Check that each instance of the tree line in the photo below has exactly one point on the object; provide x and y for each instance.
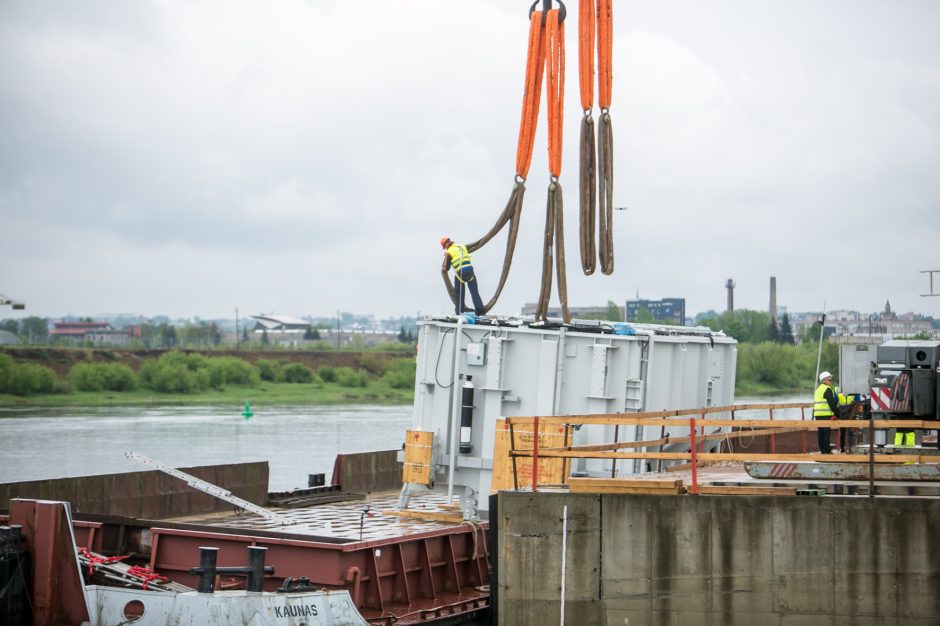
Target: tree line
(770, 357)
(178, 372)
(165, 336)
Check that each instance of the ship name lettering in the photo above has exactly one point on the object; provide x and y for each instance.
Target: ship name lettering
(293, 610)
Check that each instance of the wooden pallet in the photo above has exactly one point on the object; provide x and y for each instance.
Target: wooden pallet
(428, 516)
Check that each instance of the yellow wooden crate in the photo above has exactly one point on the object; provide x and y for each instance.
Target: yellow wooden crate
(417, 465)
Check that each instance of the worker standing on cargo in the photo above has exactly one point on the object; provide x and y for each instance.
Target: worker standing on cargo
(825, 404)
(457, 257)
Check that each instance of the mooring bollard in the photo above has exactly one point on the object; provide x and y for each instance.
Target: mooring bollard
(255, 570)
(206, 569)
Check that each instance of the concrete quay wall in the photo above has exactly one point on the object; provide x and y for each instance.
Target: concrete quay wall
(717, 560)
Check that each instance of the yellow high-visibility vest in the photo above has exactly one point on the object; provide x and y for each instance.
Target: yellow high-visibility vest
(459, 257)
(820, 406)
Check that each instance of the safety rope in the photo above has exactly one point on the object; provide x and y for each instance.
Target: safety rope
(545, 57)
(596, 173)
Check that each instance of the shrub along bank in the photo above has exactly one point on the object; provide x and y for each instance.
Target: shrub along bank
(182, 374)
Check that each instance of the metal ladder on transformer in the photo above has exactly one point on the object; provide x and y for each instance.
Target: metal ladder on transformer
(209, 488)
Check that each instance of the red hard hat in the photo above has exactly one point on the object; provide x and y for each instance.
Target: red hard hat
(445, 241)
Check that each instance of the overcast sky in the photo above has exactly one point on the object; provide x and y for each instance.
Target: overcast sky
(188, 158)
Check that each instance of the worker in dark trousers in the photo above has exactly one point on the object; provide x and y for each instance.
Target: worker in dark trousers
(457, 257)
(825, 404)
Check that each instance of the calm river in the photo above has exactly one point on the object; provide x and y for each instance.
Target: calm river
(37, 443)
(295, 440)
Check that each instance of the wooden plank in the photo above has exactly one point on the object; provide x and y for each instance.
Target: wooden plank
(623, 489)
(729, 490)
(645, 415)
(618, 489)
(551, 471)
(733, 456)
(416, 467)
(628, 419)
(428, 516)
(650, 443)
(627, 482)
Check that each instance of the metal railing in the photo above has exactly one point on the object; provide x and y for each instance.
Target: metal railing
(697, 418)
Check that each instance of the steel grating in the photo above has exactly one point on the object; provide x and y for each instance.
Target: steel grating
(346, 521)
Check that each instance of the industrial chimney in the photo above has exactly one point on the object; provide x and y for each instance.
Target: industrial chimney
(773, 299)
(729, 284)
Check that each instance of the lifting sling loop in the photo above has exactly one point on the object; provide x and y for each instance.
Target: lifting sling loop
(599, 172)
(546, 56)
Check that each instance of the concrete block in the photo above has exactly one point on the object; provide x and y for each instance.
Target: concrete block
(681, 594)
(626, 524)
(917, 539)
(741, 595)
(802, 537)
(692, 618)
(530, 557)
(623, 616)
(626, 589)
(804, 593)
(919, 596)
(807, 619)
(681, 539)
(726, 560)
(742, 536)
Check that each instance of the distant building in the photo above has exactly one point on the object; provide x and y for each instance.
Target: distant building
(280, 329)
(887, 324)
(670, 310)
(8, 339)
(97, 333)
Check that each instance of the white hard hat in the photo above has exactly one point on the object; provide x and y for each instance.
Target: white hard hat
(824, 376)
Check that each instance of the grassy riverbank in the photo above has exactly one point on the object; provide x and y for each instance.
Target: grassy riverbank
(753, 388)
(375, 392)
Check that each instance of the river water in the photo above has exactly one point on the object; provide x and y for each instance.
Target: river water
(39, 443)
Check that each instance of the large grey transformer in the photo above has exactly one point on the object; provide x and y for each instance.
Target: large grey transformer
(516, 367)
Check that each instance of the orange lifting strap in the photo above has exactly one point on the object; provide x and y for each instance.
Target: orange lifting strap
(546, 55)
(545, 60)
(596, 15)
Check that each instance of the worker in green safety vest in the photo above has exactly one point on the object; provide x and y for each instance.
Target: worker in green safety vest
(457, 257)
(825, 405)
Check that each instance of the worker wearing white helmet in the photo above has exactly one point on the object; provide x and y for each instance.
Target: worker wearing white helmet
(825, 403)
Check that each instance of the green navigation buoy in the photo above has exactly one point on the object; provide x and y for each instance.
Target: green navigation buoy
(247, 412)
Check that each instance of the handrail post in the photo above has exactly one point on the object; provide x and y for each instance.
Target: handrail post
(803, 431)
(512, 454)
(703, 434)
(773, 439)
(535, 456)
(871, 456)
(694, 456)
